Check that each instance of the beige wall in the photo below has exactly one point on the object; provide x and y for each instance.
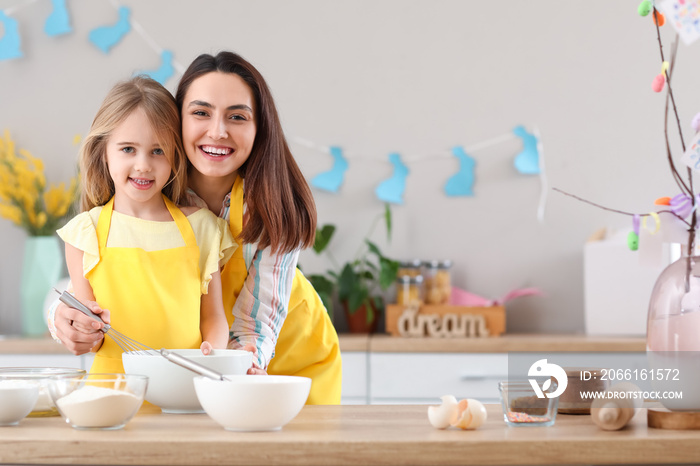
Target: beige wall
(415, 77)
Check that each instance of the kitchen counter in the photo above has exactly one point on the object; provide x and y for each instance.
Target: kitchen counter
(335, 435)
(388, 344)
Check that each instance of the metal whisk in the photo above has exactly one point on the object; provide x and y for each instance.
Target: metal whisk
(129, 345)
(125, 343)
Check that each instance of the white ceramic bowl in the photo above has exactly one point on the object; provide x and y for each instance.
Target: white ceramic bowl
(170, 386)
(44, 405)
(98, 401)
(253, 402)
(17, 398)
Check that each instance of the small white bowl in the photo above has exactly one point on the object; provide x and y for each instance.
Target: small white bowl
(98, 401)
(170, 386)
(245, 403)
(17, 398)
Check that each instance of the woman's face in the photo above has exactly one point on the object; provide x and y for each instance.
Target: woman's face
(218, 124)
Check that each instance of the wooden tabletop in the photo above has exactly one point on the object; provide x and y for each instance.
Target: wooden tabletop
(336, 435)
(388, 344)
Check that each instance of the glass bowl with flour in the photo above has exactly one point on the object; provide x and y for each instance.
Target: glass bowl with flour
(98, 401)
(43, 406)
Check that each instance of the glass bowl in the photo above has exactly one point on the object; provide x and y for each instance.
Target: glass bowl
(44, 406)
(98, 401)
(17, 398)
(522, 407)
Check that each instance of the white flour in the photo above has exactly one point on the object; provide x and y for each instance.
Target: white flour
(98, 407)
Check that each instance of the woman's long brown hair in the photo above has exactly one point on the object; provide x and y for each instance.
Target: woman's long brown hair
(281, 208)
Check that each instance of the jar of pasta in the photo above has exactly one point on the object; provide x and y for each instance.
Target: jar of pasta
(410, 268)
(409, 290)
(437, 281)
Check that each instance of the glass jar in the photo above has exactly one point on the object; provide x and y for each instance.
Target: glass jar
(410, 268)
(673, 327)
(409, 290)
(438, 282)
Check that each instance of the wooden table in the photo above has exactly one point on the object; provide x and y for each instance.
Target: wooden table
(335, 435)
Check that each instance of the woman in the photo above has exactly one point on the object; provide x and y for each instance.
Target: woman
(241, 168)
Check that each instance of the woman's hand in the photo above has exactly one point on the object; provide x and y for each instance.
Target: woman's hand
(78, 332)
(206, 348)
(255, 369)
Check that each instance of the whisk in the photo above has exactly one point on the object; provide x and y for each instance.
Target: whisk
(129, 345)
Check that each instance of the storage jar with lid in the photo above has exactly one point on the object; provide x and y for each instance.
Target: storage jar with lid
(409, 290)
(437, 281)
(411, 268)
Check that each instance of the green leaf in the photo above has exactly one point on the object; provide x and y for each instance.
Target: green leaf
(373, 248)
(323, 237)
(356, 299)
(347, 283)
(321, 284)
(369, 314)
(387, 218)
(389, 269)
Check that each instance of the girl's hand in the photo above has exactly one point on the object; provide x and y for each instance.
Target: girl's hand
(78, 332)
(255, 369)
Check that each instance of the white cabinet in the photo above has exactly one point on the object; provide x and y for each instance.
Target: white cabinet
(421, 378)
(355, 378)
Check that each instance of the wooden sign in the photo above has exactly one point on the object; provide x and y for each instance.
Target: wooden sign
(445, 321)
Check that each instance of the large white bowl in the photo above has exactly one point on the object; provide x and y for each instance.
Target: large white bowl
(170, 386)
(253, 402)
(17, 398)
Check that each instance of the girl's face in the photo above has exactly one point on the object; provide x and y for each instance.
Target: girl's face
(137, 164)
(218, 124)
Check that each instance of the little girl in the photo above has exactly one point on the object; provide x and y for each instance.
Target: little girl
(153, 265)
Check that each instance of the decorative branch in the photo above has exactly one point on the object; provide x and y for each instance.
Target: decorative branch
(631, 214)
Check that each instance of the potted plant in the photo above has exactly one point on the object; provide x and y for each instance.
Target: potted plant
(357, 283)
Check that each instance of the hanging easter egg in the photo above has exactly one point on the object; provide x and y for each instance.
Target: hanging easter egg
(696, 123)
(633, 241)
(644, 8)
(664, 200)
(657, 85)
(659, 18)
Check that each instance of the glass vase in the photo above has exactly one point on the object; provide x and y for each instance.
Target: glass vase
(41, 269)
(673, 335)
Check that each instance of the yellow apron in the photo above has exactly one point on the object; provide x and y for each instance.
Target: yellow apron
(308, 344)
(153, 297)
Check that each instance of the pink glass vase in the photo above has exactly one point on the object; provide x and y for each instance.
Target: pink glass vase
(673, 335)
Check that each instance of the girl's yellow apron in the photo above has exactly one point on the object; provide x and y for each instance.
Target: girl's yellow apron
(153, 297)
(308, 344)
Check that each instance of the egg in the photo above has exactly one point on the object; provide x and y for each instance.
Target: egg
(471, 414)
(465, 414)
(442, 416)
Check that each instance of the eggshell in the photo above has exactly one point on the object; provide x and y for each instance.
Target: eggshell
(472, 414)
(442, 416)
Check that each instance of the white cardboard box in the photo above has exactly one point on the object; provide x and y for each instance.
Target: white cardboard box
(617, 287)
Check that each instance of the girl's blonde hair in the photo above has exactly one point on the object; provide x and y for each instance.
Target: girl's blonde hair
(162, 113)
